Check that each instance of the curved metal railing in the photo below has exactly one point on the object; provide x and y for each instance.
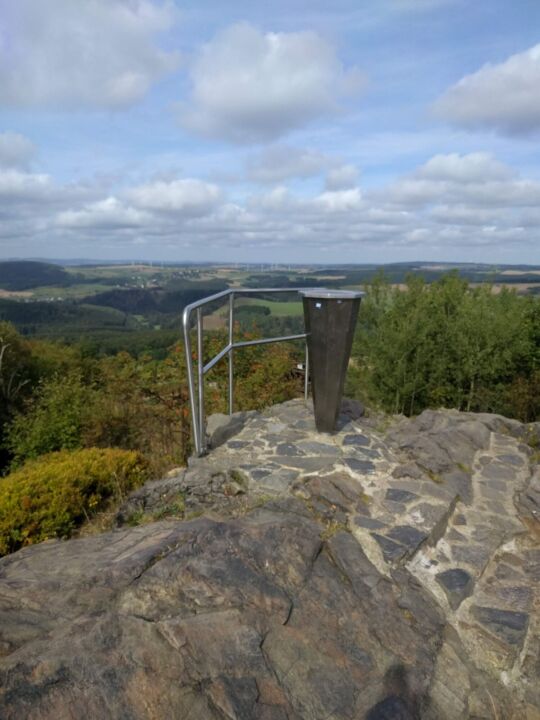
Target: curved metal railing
(196, 395)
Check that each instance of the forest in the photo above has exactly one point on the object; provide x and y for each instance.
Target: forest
(73, 417)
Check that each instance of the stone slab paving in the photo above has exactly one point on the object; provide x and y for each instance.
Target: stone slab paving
(480, 569)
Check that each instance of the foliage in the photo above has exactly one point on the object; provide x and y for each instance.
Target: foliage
(53, 420)
(18, 373)
(26, 274)
(262, 374)
(142, 403)
(16, 365)
(52, 496)
(445, 344)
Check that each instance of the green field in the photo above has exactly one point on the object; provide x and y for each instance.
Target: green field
(278, 308)
(71, 292)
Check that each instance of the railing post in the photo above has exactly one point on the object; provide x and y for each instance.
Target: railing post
(231, 352)
(186, 322)
(306, 376)
(200, 386)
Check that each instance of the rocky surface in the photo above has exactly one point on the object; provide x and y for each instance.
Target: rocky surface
(390, 570)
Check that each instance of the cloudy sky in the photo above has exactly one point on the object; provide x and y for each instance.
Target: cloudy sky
(291, 131)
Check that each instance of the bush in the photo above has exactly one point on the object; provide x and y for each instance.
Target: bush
(446, 344)
(51, 496)
(53, 420)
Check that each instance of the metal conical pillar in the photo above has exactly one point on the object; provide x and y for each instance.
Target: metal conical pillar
(330, 318)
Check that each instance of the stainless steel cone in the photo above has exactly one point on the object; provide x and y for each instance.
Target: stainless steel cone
(330, 318)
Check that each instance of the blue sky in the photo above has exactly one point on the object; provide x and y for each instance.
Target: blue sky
(374, 131)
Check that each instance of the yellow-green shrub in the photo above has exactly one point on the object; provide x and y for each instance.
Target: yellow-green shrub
(51, 496)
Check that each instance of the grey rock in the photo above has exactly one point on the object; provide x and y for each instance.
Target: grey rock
(288, 449)
(516, 597)
(508, 625)
(457, 584)
(258, 473)
(220, 428)
(532, 565)
(476, 432)
(491, 492)
(309, 464)
(391, 550)
(206, 619)
(359, 466)
(397, 495)
(352, 409)
(408, 470)
(477, 556)
(498, 471)
(364, 452)
(407, 535)
(368, 522)
(508, 573)
(395, 508)
(459, 483)
(515, 460)
(312, 447)
(356, 439)
(151, 496)
(277, 482)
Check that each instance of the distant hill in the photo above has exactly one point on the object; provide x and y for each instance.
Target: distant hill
(25, 275)
(172, 300)
(62, 319)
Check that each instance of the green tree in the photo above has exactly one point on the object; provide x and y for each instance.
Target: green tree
(446, 344)
(53, 420)
(17, 376)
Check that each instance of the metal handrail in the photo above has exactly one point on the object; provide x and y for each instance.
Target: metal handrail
(197, 398)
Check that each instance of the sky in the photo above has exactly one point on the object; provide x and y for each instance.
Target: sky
(299, 131)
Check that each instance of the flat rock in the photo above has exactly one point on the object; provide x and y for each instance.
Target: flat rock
(457, 584)
(397, 495)
(508, 625)
(359, 466)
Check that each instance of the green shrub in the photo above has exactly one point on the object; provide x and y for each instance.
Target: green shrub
(51, 496)
(53, 420)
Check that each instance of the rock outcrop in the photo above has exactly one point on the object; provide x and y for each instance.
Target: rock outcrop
(391, 570)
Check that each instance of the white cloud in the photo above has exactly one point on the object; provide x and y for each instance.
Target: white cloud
(17, 186)
(282, 162)
(277, 199)
(447, 202)
(461, 214)
(504, 97)
(87, 53)
(472, 168)
(254, 87)
(342, 177)
(476, 178)
(16, 151)
(340, 200)
(187, 197)
(105, 214)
